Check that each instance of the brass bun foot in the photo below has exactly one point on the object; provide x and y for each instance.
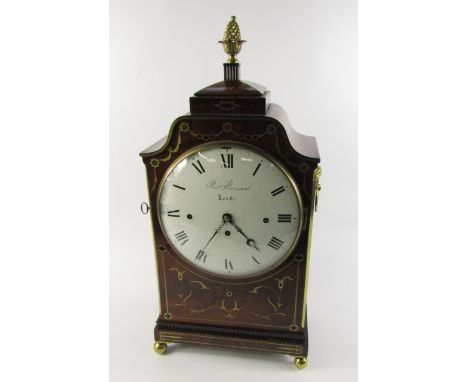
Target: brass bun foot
(160, 347)
(300, 362)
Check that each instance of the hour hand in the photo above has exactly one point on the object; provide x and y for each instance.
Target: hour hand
(238, 229)
(251, 243)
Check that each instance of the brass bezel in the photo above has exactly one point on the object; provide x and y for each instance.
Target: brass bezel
(268, 156)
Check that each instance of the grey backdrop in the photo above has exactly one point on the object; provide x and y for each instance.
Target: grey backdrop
(305, 52)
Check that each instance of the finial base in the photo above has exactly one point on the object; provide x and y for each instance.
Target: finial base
(231, 72)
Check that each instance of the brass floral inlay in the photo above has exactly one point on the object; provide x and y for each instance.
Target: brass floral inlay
(228, 304)
(234, 307)
(180, 274)
(227, 106)
(203, 285)
(273, 296)
(155, 162)
(183, 298)
(294, 327)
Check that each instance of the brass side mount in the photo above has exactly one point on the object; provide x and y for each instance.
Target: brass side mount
(316, 186)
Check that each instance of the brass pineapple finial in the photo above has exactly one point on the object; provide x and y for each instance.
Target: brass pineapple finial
(232, 40)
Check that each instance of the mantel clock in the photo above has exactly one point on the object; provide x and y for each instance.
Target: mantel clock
(232, 194)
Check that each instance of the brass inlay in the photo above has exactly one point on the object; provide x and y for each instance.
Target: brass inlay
(167, 315)
(277, 304)
(232, 41)
(295, 298)
(222, 306)
(293, 328)
(288, 348)
(180, 274)
(204, 277)
(154, 163)
(170, 337)
(184, 127)
(203, 285)
(183, 298)
(226, 105)
(273, 298)
(297, 349)
(270, 129)
(223, 322)
(281, 281)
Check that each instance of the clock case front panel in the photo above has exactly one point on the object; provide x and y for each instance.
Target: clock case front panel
(265, 312)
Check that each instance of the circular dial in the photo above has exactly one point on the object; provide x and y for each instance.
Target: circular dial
(230, 210)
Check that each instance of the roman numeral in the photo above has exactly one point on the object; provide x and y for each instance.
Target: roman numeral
(254, 259)
(284, 218)
(201, 255)
(228, 264)
(228, 160)
(275, 243)
(199, 168)
(256, 169)
(278, 190)
(173, 213)
(182, 188)
(181, 237)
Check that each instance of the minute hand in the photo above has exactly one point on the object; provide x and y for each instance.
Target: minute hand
(215, 233)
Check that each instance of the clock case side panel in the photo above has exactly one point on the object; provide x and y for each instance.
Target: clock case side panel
(307, 146)
(153, 214)
(269, 134)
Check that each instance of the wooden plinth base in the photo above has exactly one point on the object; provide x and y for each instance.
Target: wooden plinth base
(291, 343)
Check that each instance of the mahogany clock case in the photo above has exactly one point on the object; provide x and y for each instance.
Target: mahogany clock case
(265, 312)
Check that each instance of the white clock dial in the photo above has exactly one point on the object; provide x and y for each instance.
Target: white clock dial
(230, 210)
